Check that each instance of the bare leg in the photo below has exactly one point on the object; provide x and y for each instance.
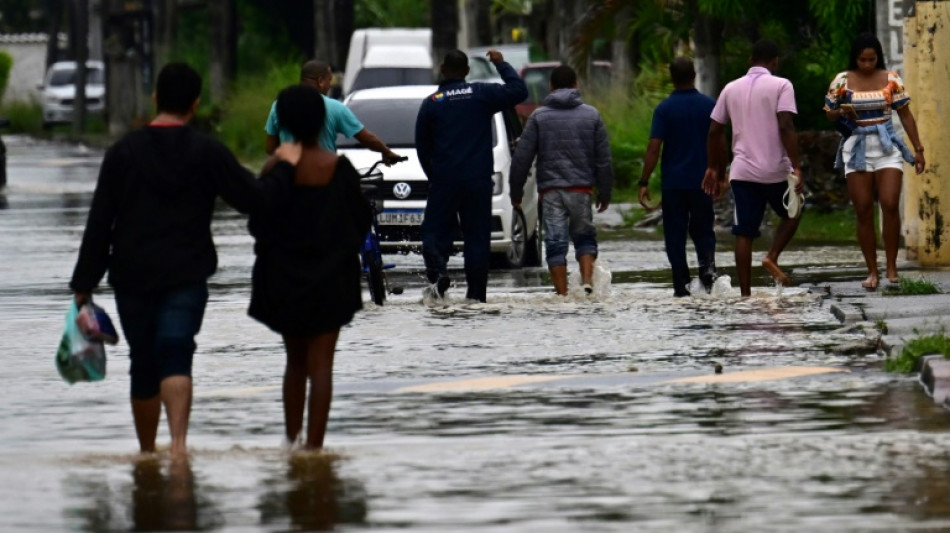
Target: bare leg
(295, 387)
(320, 368)
(783, 235)
(861, 190)
(888, 182)
(559, 278)
(744, 264)
(176, 395)
(586, 263)
(146, 414)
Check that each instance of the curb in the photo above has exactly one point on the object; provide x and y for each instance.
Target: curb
(935, 378)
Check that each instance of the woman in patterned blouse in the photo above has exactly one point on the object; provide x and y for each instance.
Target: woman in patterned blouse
(872, 153)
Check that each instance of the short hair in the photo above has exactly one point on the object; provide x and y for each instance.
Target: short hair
(682, 71)
(563, 77)
(314, 70)
(861, 43)
(177, 88)
(455, 62)
(764, 51)
(301, 111)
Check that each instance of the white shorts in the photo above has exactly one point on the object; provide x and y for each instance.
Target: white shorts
(874, 155)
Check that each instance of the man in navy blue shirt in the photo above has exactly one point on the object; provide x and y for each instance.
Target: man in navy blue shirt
(680, 125)
(454, 143)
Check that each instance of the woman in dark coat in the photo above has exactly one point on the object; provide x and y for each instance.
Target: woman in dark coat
(306, 278)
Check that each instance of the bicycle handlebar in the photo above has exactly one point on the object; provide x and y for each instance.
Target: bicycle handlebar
(383, 161)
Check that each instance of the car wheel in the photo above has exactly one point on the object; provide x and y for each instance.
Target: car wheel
(515, 255)
(533, 252)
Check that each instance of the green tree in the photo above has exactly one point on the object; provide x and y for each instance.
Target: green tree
(392, 13)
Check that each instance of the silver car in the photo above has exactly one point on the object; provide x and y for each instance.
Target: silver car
(390, 113)
(58, 91)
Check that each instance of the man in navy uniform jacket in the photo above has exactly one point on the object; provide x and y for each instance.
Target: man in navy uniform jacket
(454, 143)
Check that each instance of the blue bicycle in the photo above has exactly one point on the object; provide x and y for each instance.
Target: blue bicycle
(372, 255)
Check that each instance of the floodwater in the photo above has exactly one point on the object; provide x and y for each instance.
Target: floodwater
(610, 450)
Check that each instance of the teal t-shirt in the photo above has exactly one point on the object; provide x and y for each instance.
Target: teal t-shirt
(339, 120)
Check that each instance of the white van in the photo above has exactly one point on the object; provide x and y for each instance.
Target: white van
(390, 113)
(384, 57)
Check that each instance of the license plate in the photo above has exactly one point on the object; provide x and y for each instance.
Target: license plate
(400, 218)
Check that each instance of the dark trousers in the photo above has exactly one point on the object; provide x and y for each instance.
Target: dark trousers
(451, 206)
(689, 212)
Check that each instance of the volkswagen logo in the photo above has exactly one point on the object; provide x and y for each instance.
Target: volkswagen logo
(402, 190)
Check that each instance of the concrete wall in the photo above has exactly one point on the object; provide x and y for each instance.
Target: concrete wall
(29, 65)
(927, 196)
(889, 21)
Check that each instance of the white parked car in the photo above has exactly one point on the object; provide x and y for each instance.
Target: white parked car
(58, 91)
(390, 113)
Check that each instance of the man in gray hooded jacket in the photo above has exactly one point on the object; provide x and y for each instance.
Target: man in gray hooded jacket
(570, 141)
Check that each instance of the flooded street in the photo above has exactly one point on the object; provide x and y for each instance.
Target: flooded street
(607, 442)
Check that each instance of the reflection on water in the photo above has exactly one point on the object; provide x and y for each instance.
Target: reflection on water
(312, 496)
(164, 501)
(162, 495)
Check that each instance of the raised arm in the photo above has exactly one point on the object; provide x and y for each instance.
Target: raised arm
(512, 92)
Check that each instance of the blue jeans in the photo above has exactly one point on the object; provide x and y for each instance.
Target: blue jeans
(160, 329)
(567, 215)
(688, 212)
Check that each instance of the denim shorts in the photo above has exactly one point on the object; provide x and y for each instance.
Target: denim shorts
(875, 156)
(567, 215)
(160, 329)
(750, 201)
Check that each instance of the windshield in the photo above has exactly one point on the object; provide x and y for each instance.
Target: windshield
(538, 82)
(481, 69)
(94, 76)
(393, 121)
(369, 78)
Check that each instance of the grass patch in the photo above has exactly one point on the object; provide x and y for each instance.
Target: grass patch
(241, 123)
(628, 116)
(834, 226)
(912, 286)
(25, 117)
(906, 362)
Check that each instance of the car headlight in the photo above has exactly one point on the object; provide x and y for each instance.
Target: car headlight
(498, 180)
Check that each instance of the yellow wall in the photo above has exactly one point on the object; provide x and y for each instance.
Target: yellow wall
(927, 73)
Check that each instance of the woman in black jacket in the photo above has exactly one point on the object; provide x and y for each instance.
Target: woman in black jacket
(306, 279)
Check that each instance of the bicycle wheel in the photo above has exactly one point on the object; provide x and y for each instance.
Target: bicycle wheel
(377, 285)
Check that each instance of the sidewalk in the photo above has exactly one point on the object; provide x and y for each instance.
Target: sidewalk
(894, 319)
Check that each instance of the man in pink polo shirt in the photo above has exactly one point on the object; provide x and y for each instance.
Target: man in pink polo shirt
(760, 107)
